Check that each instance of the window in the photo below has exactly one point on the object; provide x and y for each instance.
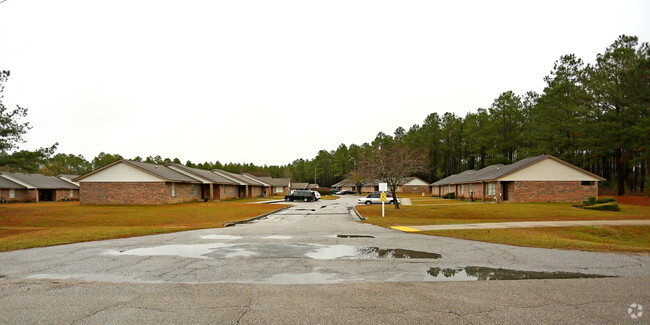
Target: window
(71, 193)
(234, 190)
(462, 189)
(470, 189)
(224, 188)
(491, 188)
(193, 189)
(448, 188)
(173, 189)
(586, 183)
(12, 193)
(279, 189)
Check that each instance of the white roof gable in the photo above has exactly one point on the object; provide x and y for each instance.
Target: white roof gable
(417, 181)
(548, 170)
(121, 172)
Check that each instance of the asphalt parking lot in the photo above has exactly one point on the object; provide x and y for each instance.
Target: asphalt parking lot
(261, 272)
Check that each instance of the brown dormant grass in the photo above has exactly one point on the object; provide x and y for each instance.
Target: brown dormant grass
(28, 225)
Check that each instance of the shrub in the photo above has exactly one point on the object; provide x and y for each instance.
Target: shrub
(462, 198)
(606, 199)
(451, 196)
(609, 206)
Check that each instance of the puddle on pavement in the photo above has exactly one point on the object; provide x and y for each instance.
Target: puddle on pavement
(273, 250)
(478, 273)
(354, 236)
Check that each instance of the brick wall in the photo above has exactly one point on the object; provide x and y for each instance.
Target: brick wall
(227, 192)
(65, 194)
(568, 191)
(136, 193)
(183, 193)
(19, 195)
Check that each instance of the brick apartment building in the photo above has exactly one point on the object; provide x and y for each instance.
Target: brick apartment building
(541, 178)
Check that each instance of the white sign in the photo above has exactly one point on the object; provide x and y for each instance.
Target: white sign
(383, 187)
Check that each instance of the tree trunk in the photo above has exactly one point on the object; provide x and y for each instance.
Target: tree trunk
(392, 191)
(620, 172)
(642, 185)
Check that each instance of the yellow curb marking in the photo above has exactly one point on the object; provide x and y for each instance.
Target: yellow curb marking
(406, 229)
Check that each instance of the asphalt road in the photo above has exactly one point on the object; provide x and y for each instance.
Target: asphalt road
(314, 263)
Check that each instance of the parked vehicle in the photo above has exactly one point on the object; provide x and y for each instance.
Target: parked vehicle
(344, 192)
(306, 196)
(316, 195)
(376, 199)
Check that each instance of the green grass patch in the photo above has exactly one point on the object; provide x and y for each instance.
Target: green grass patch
(632, 239)
(54, 223)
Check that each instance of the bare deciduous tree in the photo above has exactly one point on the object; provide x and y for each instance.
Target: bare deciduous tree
(392, 164)
(359, 177)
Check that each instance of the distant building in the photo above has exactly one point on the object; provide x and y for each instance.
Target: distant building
(21, 187)
(536, 179)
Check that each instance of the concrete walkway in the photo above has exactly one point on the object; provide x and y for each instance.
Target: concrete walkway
(526, 224)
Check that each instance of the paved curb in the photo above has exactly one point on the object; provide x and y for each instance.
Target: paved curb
(232, 223)
(355, 214)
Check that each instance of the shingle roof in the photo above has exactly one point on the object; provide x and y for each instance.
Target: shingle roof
(39, 181)
(214, 178)
(256, 179)
(494, 172)
(277, 181)
(160, 171)
(239, 179)
(5, 183)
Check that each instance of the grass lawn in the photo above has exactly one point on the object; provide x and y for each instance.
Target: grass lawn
(589, 238)
(26, 225)
(596, 238)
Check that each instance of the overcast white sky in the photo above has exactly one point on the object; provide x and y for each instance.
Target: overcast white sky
(272, 81)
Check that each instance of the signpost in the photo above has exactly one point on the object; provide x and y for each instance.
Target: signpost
(383, 188)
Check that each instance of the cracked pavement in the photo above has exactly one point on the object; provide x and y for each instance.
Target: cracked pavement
(291, 267)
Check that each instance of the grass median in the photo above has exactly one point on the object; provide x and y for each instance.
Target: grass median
(29, 225)
(632, 239)
(601, 238)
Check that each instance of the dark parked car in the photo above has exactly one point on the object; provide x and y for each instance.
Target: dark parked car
(344, 192)
(306, 196)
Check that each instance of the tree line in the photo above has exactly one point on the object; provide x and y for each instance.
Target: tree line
(592, 115)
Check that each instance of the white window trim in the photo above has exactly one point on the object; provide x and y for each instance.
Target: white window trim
(462, 188)
(492, 188)
(12, 193)
(173, 189)
(71, 193)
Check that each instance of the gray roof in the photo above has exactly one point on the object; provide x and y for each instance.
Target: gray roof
(5, 183)
(277, 181)
(160, 171)
(39, 181)
(214, 178)
(493, 172)
(68, 176)
(257, 179)
(241, 180)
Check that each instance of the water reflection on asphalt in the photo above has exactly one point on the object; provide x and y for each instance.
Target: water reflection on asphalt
(275, 250)
(475, 273)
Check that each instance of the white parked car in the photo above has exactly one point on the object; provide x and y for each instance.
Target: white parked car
(375, 198)
(317, 194)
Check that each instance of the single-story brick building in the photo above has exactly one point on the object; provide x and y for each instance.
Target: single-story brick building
(541, 178)
(246, 186)
(21, 187)
(407, 185)
(132, 182)
(280, 186)
(214, 187)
